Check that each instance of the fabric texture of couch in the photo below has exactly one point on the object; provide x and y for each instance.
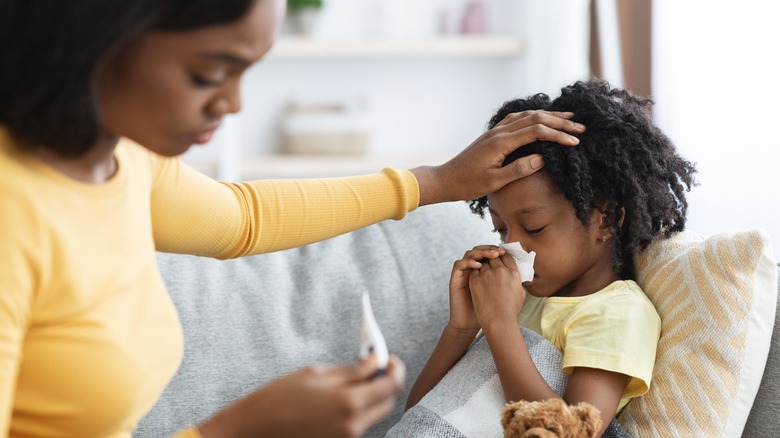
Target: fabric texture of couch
(249, 320)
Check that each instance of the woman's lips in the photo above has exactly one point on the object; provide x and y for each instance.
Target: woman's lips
(204, 137)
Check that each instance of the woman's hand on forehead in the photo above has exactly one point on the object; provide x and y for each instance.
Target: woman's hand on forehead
(477, 170)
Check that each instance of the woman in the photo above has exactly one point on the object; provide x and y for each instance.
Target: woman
(88, 336)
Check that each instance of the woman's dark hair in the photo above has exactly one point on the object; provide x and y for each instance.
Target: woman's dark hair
(623, 162)
(52, 54)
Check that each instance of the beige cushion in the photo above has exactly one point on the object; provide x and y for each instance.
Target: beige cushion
(716, 297)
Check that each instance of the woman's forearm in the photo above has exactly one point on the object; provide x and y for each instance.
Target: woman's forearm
(452, 345)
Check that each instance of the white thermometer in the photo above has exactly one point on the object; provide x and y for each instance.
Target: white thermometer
(371, 339)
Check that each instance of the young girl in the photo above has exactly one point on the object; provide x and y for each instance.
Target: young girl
(585, 215)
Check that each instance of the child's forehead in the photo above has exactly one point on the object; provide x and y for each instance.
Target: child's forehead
(531, 193)
(540, 183)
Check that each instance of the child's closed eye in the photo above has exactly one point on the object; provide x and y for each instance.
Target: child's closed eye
(535, 230)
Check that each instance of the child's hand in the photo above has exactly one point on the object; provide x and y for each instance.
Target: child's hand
(496, 291)
(462, 314)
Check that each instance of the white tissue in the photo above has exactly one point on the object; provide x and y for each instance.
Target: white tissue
(524, 260)
(371, 339)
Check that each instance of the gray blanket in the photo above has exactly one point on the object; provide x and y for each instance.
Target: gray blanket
(467, 402)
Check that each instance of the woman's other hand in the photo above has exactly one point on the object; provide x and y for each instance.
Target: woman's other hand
(316, 401)
(477, 170)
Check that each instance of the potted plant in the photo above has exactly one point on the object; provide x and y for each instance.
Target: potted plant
(303, 15)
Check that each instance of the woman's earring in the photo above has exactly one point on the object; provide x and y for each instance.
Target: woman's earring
(604, 238)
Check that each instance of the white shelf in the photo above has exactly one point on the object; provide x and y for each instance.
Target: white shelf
(482, 46)
(316, 166)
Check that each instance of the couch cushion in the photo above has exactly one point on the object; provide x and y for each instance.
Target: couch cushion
(249, 320)
(717, 299)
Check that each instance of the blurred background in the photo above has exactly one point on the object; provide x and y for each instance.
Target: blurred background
(352, 86)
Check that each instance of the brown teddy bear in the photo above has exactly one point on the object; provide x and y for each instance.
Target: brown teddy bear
(550, 418)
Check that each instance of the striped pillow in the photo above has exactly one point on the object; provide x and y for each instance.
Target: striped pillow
(716, 297)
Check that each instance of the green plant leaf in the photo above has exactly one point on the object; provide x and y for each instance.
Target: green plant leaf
(301, 4)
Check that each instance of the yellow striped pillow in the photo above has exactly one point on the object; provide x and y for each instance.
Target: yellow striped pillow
(716, 297)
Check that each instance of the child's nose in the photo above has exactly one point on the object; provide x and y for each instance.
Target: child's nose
(514, 236)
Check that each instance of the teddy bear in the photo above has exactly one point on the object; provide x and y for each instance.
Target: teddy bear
(550, 418)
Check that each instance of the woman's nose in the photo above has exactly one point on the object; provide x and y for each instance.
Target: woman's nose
(228, 101)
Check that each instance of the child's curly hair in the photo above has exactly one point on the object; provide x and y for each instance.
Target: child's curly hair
(623, 161)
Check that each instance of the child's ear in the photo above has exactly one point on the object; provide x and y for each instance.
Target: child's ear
(606, 225)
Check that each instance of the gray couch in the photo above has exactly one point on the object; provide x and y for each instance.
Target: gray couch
(249, 320)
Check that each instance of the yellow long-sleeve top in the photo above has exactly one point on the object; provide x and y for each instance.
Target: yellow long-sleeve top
(88, 334)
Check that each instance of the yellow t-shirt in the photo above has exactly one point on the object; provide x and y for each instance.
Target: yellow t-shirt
(615, 329)
(88, 335)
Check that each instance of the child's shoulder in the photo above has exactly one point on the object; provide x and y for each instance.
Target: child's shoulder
(623, 291)
(623, 297)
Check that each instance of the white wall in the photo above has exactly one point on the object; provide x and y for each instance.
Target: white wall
(415, 104)
(716, 85)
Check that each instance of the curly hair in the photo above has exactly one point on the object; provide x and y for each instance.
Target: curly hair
(623, 161)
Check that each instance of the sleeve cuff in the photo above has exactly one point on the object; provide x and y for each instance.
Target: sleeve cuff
(191, 432)
(408, 189)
